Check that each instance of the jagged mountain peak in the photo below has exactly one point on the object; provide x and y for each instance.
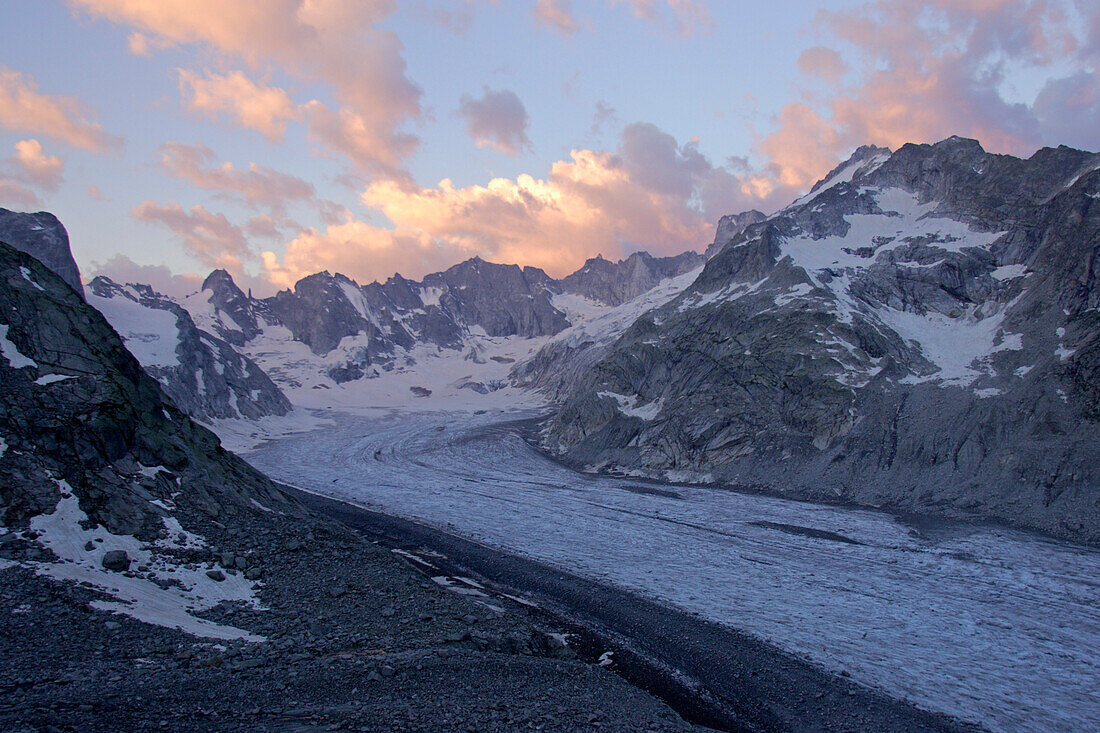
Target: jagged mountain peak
(219, 279)
(729, 226)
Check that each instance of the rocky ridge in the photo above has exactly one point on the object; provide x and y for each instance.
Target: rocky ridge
(920, 331)
(355, 332)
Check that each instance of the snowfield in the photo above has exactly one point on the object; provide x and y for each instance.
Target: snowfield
(991, 625)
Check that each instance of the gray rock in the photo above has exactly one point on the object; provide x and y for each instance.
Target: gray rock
(215, 574)
(116, 560)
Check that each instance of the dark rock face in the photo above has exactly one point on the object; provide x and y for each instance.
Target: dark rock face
(75, 406)
(614, 283)
(502, 299)
(920, 331)
(208, 379)
(43, 237)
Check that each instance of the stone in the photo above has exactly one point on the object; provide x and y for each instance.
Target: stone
(116, 561)
(215, 574)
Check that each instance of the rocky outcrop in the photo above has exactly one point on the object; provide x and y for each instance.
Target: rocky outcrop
(79, 414)
(43, 237)
(919, 331)
(729, 226)
(203, 374)
(504, 300)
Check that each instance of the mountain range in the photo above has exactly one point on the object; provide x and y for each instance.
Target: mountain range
(918, 332)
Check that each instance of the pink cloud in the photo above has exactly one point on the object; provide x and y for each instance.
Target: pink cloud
(336, 42)
(263, 108)
(208, 237)
(257, 186)
(926, 71)
(685, 16)
(497, 120)
(652, 193)
(354, 136)
(35, 167)
(556, 14)
(122, 269)
(822, 62)
(15, 195)
(24, 109)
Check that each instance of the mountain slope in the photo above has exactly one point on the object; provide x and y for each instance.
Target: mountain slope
(96, 459)
(919, 331)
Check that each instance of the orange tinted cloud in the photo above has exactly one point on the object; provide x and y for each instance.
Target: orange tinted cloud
(652, 193)
(258, 185)
(686, 16)
(254, 106)
(926, 71)
(331, 41)
(556, 14)
(208, 237)
(37, 168)
(24, 109)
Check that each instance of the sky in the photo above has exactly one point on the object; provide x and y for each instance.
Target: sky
(278, 138)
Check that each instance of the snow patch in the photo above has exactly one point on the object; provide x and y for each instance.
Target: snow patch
(1009, 272)
(430, 296)
(10, 352)
(151, 334)
(27, 276)
(627, 405)
(191, 590)
(51, 378)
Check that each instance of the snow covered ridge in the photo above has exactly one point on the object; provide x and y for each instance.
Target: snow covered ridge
(921, 330)
(204, 375)
(450, 341)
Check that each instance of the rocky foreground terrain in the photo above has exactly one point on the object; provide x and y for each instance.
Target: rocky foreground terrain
(149, 580)
(920, 332)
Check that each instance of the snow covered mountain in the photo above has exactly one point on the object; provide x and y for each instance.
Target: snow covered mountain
(920, 331)
(455, 336)
(204, 375)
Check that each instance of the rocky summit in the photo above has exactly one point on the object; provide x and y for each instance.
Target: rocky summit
(43, 237)
(920, 331)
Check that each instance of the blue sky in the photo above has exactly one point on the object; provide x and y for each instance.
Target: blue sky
(284, 137)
